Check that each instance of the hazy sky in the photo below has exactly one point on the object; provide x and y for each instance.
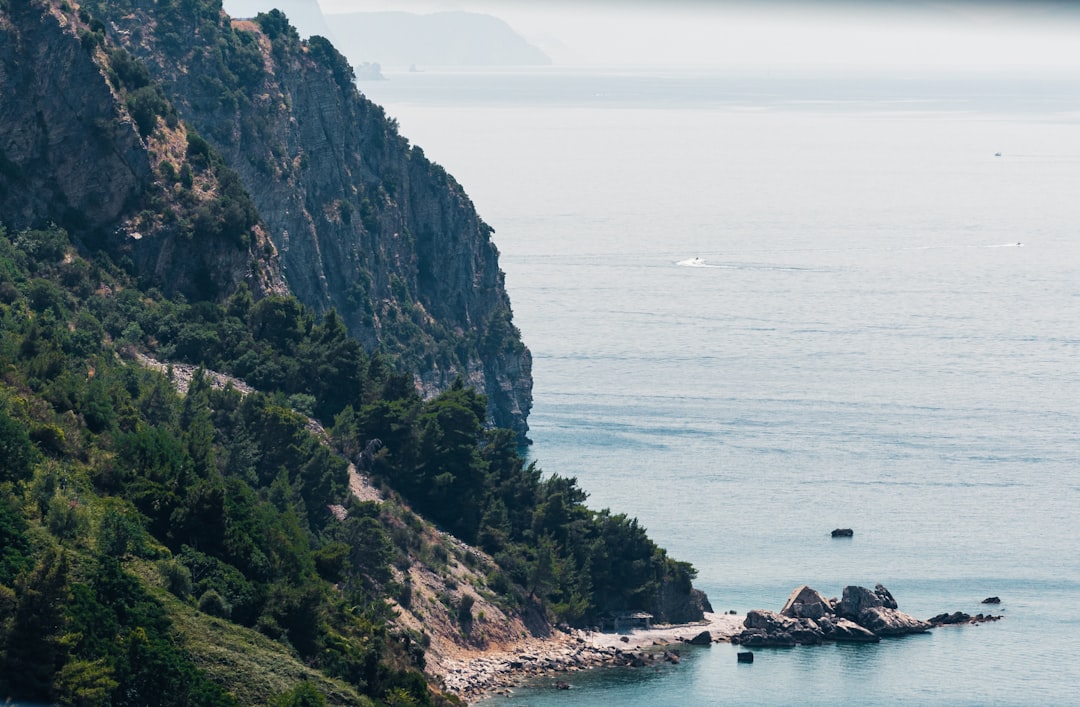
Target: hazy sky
(904, 34)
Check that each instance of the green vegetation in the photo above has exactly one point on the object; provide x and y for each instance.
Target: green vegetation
(132, 519)
(152, 544)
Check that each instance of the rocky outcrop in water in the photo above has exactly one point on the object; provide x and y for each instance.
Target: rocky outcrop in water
(808, 618)
(959, 617)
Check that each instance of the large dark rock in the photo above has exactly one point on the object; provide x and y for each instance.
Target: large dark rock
(702, 639)
(844, 631)
(883, 621)
(877, 611)
(856, 600)
(755, 638)
(806, 603)
(843, 533)
(768, 621)
(808, 618)
(885, 596)
(992, 600)
(770, 629)
(957, 617)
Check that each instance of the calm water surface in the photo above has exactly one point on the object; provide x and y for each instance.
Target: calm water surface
(884, 334)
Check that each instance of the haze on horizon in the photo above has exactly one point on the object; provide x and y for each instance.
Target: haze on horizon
(847, 35)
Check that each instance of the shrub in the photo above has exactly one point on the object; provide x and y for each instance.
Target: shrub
(212, 603)
(177, 578)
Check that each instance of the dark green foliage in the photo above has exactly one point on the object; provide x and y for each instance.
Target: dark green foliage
(321, 50)
(198, 149)
(114, 620)
(145, 105)
(130, 73)
(211, 574)
(303, 695)
(474, 482)
(224, 499)
(15, 550)
(17, 452)
(34, 647)
(276, 26)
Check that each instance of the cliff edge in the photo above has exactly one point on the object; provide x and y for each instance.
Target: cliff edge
(214, 151)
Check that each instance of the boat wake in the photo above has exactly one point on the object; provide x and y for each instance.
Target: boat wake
(700, 263)
(692, 263)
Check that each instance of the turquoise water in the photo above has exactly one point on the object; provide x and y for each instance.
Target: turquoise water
(884, 335)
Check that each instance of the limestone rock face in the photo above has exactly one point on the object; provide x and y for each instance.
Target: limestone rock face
(344, 212)
(363, 221)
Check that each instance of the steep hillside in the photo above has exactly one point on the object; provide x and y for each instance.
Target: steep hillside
(220, 547)
(363, 222)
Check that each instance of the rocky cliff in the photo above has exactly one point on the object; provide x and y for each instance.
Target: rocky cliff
(87, 142)
(232, 150)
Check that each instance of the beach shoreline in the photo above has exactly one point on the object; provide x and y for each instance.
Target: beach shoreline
(482, 674)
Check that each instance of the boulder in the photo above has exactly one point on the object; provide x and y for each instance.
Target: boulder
(890, 622)
(755, 638)
(885, 596)
(844, 631)
(807, 635)
(768, 621)
(746, 657)
(957, 617)
(769, 629)
(843, 533)
(702, 639)
(806, 603)
(992, 600)
(855, 601)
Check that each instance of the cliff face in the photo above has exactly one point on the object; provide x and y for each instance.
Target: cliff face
(232, 151)
(65, 152)
(363, 222)
(72, 153)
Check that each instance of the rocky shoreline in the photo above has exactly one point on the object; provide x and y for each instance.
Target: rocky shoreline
(808, 618)
(475, 677)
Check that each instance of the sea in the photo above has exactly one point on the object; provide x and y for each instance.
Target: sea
(765, 306)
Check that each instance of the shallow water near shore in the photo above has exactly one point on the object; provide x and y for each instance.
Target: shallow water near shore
(763, 310)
